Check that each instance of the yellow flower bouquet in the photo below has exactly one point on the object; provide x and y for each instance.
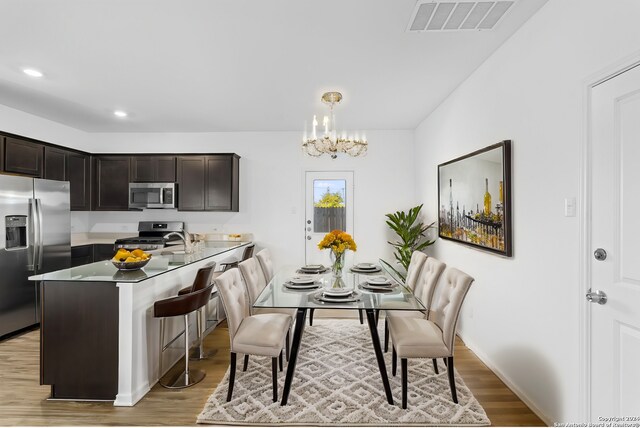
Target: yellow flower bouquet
(338, 242)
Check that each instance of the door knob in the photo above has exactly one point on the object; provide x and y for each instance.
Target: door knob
(600, 254)
(308, 238)
(597, 296)
(308, 221)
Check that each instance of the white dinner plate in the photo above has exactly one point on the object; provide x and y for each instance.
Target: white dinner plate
(378, 288)
(302, 280)
(312, 267)
(378, 280)
(337, 292)
(293, 286)
(353, 298)
(366, 266)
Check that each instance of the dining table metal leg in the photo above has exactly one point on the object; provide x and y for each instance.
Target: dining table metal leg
(375, 339)
(293, 357)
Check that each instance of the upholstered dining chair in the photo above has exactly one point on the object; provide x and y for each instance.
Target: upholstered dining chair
(264, 258)
(413, 272)
(432, 336)
(260, 334)
(255, 282)
(424, 287)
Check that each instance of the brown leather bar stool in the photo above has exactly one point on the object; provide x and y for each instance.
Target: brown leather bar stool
(232, 262)
(204, 277)
(181, 306)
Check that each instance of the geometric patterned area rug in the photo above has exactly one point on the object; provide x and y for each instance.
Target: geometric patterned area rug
(337, 383)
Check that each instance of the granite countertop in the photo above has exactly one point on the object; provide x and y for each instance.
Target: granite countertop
(105, 271)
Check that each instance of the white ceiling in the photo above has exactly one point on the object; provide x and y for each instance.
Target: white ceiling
(233, 65)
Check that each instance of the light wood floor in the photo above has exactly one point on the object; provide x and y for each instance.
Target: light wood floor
(23, 400)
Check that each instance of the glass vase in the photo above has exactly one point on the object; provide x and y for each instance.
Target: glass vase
(337, 263)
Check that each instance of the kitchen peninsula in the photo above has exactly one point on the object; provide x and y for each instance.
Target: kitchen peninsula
(98, 337)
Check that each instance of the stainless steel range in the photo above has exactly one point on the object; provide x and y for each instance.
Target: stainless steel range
(151, 236)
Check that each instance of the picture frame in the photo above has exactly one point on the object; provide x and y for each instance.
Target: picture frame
(474, 199)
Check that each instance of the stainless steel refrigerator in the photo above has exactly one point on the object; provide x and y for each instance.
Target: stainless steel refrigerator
(36, 239)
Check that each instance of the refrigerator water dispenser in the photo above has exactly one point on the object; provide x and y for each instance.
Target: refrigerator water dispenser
(15, 232)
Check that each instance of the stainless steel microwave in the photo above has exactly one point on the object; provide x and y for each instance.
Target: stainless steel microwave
(152, 195)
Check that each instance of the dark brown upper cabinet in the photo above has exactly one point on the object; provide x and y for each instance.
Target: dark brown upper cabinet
(23, 157)
(208, 182)
(111, 183)
(222, 183)
(191, 183)
(1, 153)
(160, 169)
(55, 162)
(79, 177)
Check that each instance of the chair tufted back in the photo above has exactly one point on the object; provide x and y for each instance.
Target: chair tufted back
(427, 280)
(253, 278)
(264, 258)
(417, 260)
(444, 314)
(234, 299)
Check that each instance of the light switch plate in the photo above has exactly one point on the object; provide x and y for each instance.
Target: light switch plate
(570, 207)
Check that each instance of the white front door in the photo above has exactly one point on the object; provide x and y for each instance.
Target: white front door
(615, 211)
(328, 206)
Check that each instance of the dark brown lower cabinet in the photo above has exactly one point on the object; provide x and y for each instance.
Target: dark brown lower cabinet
(79, 340)
(81, 255)
(85, 254)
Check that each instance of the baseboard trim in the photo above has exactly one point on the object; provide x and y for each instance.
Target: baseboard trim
(507, 381)
(129, 400)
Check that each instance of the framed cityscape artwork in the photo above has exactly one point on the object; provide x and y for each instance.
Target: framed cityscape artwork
(474, 199)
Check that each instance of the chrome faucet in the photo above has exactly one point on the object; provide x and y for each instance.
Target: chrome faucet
(188, 249)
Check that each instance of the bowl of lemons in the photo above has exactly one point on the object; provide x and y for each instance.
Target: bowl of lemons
(130, 260)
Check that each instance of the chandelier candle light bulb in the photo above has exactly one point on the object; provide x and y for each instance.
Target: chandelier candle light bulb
(330, 143)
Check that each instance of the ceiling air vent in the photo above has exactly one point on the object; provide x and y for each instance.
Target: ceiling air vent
(430, 15)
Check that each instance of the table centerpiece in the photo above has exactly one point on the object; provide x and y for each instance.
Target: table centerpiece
(338, 242)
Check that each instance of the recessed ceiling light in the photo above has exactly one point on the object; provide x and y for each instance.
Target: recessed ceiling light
(32, 72)
(120, 113)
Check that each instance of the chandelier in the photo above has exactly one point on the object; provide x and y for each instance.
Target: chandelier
(330, 143)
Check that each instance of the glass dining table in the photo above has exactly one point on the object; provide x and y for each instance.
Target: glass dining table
(280, 294)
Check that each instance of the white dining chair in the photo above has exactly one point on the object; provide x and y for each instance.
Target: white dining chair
(255, 282)
(260, 334)
(433, 336)
(264, 258)
(413, 272)
(424, 287)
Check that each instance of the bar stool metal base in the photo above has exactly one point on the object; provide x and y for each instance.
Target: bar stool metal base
(198, 354)
(184, 380)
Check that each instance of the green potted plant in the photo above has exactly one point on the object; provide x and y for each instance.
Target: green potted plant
(411, 237)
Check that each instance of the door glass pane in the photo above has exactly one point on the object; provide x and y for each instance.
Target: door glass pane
(329, 205)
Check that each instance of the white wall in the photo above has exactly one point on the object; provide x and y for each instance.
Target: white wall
(272, 187)
(521, 314)
(27, 125)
